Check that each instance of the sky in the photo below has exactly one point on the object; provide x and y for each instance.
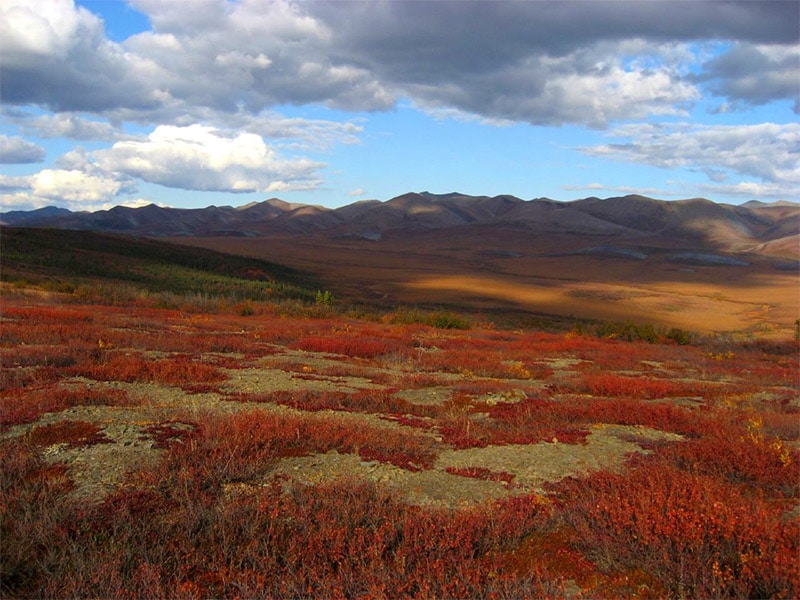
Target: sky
(192, 103)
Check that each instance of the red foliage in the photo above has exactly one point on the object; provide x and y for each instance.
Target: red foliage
(15, 380)
(529, 421)
(610, 384)
(336, 541)
(49, 313)
(698, 536)
(626, 411)
(354, 345)
(46, 355)
(245, 442)
(767, 464)
(72, 433)
(32, 510)
(706, 516)
(19, 406)
(170, 371)
(165, 434)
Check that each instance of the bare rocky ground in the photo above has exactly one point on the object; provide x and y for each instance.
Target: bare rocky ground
(100, 468)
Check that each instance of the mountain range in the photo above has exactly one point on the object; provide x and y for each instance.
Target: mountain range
(772, 229)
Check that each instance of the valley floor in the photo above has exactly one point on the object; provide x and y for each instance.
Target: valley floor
(511, 270)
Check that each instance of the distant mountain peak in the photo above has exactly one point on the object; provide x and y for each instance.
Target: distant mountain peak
(752, 225)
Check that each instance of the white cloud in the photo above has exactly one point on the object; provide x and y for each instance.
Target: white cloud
(588, 186)
(750, 190)
(22, 201)
(56, 55)
(542, 63)
(357, 193)
(68, 125)
(15, 151)
(295, 133)
(767, 152)
(71, 188)
(75, 186)
(137, 203)
(28, 201)
(221, 66)
(753, 74)
(10, 183)
(46, 28)
(203, 158)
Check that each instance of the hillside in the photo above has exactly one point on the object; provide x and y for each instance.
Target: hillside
(63, 260)
(691, 264)
(752, 227)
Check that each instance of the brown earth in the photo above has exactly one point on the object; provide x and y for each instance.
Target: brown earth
(507, 268)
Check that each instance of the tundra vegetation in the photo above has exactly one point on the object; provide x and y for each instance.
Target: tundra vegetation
(180, 426)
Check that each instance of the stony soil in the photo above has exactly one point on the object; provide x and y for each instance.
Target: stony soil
(100, 468)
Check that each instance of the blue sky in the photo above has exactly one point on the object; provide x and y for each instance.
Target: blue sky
(190, 103)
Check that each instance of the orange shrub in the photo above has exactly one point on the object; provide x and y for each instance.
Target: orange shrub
(610, 384)
(72, 433)
(22, 405)
(699, 537)
(244, 443)
(357, 346)
(130, 367)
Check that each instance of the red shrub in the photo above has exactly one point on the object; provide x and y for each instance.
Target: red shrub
(23, 405)
(32, 509)
(609, 384)
(336, 541)
(768, 464)
(358, 346)
(527, 422)
(171, 371)
(484, 363)
(168, 433)
(626, 411)
(246, 442)
(18, 379)
(698, 536)
(46, 355)
(49, 313)
(72, 433)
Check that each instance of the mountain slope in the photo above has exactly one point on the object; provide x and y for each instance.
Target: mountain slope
(754, 226)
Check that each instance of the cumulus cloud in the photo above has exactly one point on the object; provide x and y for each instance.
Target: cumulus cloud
(16, 151)
(253, 54)
(537, 62)
(75, 186)
(199, 75)
(299, 134)
(66, 125)
(767, 152)
(546, 62)
(72, 188)
(56, 55)
(750, 190)
(199, 157)
(755, 75)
